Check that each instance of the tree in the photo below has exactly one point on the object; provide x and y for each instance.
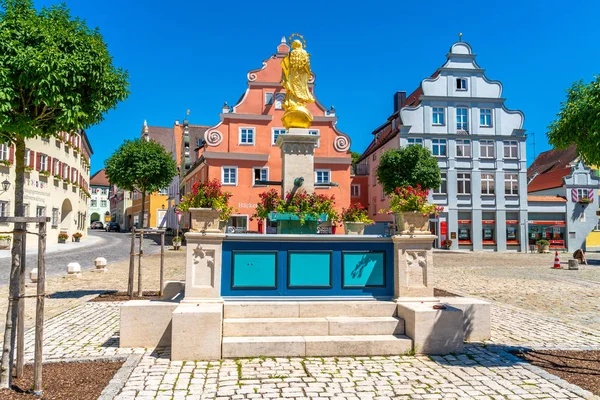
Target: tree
(355, 157)
(406, 166)
(55, 75)
(579, 121)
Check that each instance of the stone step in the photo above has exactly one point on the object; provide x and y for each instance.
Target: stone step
(321, 346)
(335, 326)
(309, 309)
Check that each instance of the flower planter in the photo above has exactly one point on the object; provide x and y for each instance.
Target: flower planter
(205, 220)
(354, 228)
(62, 240)
(288, 223)
(412, 223)
(77, 239)
(545, 248)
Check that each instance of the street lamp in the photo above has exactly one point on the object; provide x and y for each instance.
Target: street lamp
(5, 185)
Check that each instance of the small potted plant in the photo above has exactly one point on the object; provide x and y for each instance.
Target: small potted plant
(412, 210)
(355, 218)
(208, 206)
(77, 236)
(45, 173)
(176, 242)
(28, 168)
(4, 242)
(446, 244)
(62, 237)
(543, 246)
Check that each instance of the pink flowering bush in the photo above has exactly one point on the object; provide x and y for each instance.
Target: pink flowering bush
(408, 198)
(208, 195)
(302, 204)
(356, 213)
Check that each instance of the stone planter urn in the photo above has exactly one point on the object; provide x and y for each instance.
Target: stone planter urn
(412, 223)
(354, 228)
(62, 241)
(205, 220)
(543, 248)
(77, 239)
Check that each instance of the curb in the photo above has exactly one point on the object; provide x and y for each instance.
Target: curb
(118, 381)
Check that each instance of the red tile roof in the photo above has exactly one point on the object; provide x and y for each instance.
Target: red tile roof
(552, 160)
(548, 180)
(547, 199)
(99, 179)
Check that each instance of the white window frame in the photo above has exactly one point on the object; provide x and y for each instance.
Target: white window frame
(463, 84)
(4, 208)
(464, 144)
(43, 162)
(488, 184)
(26, 209)
(437, 143)
(223, 168)
(464, 178)
(4, 152)
(54, 221)
(93, 203)
(254, 172)
(273, 137)
(37, 211)
(247, 129)
(413, 141)
(485, 144)
(485, 117)
(443, 188)
(318, 133)
(278, 100)
(510, 189)
(27, 157)
(511, 145)
(582, 194)
(354, 190)
(462, 121)
(267, 102)
(317, 171)
(436, 114)
(103, 203)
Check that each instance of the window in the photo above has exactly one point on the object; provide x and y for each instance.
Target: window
(40, 211)
(3, 208)
(487, 184)
(415, 142)
(511, 185)
(485, 117)
(461, 84)
(486, 148)
(55, 217)
(582, 194)
(246, 135)
(443, 189)
(27, 157)
(269, 98)
(279, 98)
(463, 148)
(438, 116)
(374, 157)
(462, 121)
(511, 149)
(26, 210)
(315, 132)
(438, 147)
(65, 173)
(3, 151)
(322, 176)
(464, 183)
(355, 190)
(94, 203)
(276, 133)
(102, 203)
(43, 162)
(374, 177)
(229, 175)
(261, 174)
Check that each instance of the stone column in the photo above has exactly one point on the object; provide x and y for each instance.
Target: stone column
(413, 263)
(197, 326)
(297, 158)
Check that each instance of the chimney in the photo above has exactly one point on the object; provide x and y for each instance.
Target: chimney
(226, 109)
(399, 99)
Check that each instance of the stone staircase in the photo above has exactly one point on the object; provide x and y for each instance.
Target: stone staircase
(313, 328)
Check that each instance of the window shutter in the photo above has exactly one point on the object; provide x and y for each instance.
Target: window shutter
(38, 161)
(60, 169)
(591, 195)
(49, 165)
(11, 154)
(31, 158)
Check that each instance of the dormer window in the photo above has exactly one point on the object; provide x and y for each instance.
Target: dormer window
(461, 84)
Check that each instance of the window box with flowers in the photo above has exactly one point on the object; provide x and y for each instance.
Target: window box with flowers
(208, 207)
(6, 163)
(585, 201)
(410, 206)
(355, 218)
(62, 237)
(77, 236)
(28, 168)
(45, 173)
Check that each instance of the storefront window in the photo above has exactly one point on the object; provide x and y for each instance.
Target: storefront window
(547, 230)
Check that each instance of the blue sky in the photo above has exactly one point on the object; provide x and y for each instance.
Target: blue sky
(195, 54)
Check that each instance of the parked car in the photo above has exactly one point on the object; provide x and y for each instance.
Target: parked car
(112, 226)
(97, 225)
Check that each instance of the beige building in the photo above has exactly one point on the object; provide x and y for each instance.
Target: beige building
(56, 183)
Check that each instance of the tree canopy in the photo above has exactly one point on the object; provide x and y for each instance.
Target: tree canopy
(579, 121)
(406, 166)
(140, 165)
(56, 74)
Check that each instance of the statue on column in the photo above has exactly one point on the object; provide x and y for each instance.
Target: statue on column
(295, 75)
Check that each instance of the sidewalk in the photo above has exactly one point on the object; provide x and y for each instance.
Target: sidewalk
(51, 248)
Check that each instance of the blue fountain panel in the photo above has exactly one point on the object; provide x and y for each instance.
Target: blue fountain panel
(256, 270)
(309, 269)
(363, 269)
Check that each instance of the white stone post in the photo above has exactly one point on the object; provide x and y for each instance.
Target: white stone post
(413, 263)
(297, 158)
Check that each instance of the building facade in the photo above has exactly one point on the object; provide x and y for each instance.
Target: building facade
(99, 206)
(241, 149)
(120, 201)
(56, 183)
(459, 114)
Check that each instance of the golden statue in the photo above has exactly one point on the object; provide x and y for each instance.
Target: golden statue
(295, 74)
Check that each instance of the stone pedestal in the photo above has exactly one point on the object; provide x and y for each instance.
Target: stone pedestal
(74, 270)
(100, 264)
(197, 331)
(203, 267)
(413, 263)
(297, 157)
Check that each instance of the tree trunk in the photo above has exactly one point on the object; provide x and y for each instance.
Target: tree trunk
(8, 347)
(141, 251)
(142, 224)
